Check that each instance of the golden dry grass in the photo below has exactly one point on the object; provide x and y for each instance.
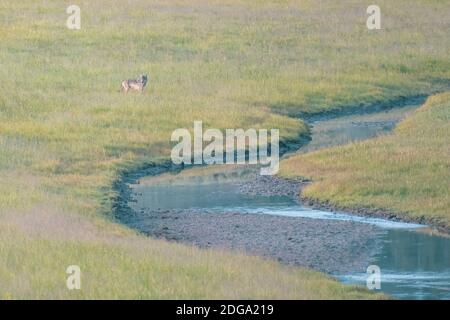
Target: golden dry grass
(66, 130)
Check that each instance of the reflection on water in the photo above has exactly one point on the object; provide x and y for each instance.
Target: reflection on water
(414, 265)
(202, 196)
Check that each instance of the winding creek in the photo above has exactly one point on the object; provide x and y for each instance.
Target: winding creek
(229, 207)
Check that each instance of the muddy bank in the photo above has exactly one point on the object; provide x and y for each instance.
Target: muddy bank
(122, 198)
(328, 246)
(271, 186)
(361, 109)
(324, 245)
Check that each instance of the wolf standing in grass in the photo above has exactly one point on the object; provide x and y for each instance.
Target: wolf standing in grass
(135, 84)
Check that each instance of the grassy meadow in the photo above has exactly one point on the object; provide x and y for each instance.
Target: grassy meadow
(406, 173)
(66, 130)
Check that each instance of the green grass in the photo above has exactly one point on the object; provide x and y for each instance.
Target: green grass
(66, 130)
(406, 173)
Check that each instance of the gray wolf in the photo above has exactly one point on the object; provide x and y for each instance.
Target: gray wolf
(135, 84)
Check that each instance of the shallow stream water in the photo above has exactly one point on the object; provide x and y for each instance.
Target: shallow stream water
(414, 261)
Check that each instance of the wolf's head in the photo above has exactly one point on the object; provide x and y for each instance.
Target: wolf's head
(143, 78)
